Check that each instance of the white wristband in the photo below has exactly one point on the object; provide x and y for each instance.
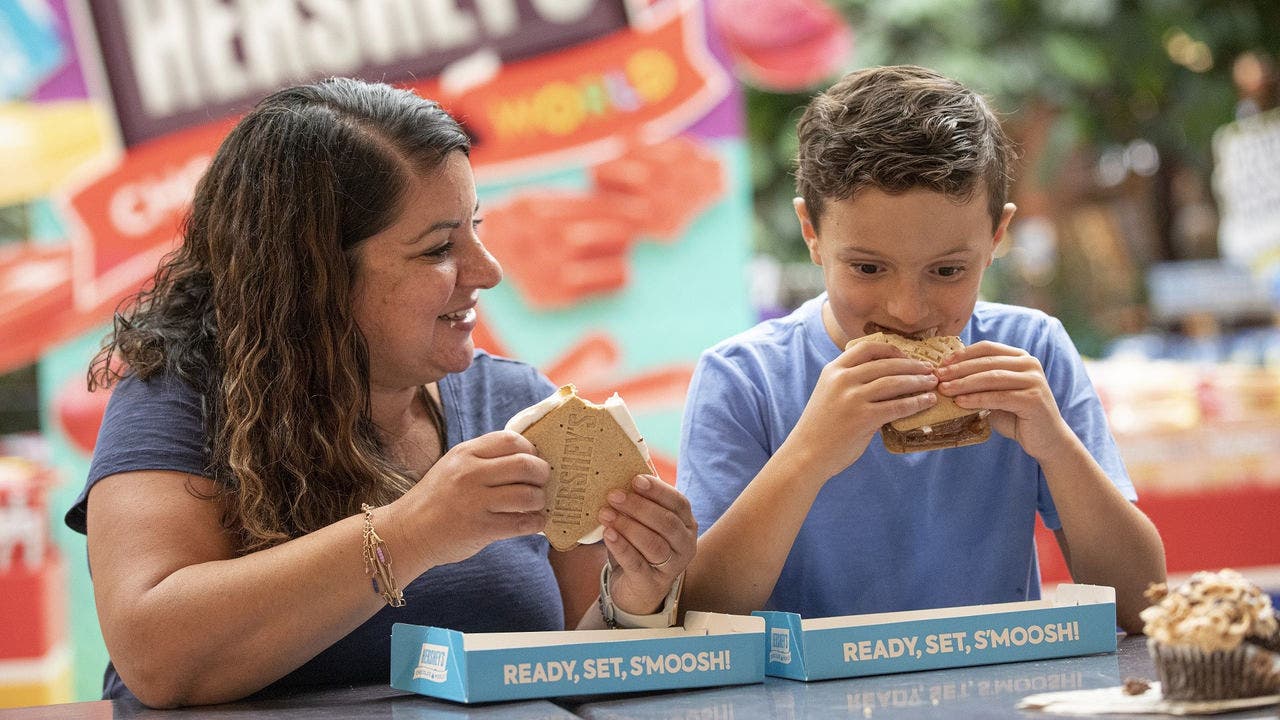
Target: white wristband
(616, 617)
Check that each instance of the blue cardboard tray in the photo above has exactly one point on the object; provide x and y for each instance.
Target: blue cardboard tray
(710, 649)
(1079, 620)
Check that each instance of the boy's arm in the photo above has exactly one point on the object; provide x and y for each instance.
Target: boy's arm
(741, 556)
(724, 452)
(748, 537)
(1105, 539)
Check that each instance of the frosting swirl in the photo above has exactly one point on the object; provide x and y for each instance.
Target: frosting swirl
(1212, 611)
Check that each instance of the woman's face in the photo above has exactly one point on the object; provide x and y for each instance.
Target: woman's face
(418, 280)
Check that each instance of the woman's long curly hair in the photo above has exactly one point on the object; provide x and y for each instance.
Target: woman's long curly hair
(254, 309)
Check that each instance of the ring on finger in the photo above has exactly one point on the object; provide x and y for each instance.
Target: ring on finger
(658, 566)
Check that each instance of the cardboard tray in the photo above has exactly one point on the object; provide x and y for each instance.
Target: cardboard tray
(710, 649)
(1080, 620)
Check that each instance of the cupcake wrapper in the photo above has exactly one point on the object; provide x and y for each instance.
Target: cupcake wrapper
(1189, 673)
(1271, 643)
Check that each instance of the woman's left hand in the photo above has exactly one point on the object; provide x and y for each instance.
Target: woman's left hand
(651, 537)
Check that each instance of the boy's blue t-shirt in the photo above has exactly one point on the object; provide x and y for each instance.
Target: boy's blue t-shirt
(891, 532)
(508, 586)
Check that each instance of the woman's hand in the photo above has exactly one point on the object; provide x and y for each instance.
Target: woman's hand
(651, 537)
(486, 489)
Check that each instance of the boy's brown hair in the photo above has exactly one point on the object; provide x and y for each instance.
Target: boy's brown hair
(896, 128)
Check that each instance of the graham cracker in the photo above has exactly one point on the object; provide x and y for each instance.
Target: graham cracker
(590, 455)
(931, 350)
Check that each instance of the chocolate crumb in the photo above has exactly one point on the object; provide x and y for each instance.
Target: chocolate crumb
(1135, 686)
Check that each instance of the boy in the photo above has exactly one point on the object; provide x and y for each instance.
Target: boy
(902, 177)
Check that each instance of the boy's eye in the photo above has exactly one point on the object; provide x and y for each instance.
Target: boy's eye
(866, 268)
(950, 271)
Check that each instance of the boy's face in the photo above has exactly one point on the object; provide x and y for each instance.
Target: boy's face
(909, 263)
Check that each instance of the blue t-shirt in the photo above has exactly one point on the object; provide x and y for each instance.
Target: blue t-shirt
(508, 586)
(890, 532)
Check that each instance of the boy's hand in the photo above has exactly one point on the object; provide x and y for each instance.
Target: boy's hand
(1011, 384)
(865, 387)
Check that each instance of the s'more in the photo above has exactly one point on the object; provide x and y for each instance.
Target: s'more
(592, 449)
(946, 424)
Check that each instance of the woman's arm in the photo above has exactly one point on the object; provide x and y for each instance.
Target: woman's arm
(578, 572)
(187, 621)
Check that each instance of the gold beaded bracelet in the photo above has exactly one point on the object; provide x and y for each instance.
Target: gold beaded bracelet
(377, 562)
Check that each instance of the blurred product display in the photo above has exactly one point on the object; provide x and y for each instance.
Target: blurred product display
(1193, 426)
(1200, 291)
(52, 142)
(783, 45)
(30, 49)
(35, 661)
(1200, 436)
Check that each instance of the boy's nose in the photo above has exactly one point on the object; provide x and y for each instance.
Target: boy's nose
(906, 306)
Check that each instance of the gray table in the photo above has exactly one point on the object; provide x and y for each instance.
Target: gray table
(990, 691)
(378, 702)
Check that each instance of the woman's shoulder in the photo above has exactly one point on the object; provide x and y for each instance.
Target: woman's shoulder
(494, 376)
(161, 394)
(493, 389)
(487, 368)
(155, 423)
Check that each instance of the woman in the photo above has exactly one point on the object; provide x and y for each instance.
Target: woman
(307, 353)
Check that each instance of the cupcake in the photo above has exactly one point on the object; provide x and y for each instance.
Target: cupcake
(1213, 638)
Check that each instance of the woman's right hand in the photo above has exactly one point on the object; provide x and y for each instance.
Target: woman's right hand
(485, 489)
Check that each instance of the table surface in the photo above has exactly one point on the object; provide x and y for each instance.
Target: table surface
(987, 691)
(377, 701)
(984, 691)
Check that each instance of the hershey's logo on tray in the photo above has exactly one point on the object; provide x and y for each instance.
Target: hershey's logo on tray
(433, 663)
(780, 646)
